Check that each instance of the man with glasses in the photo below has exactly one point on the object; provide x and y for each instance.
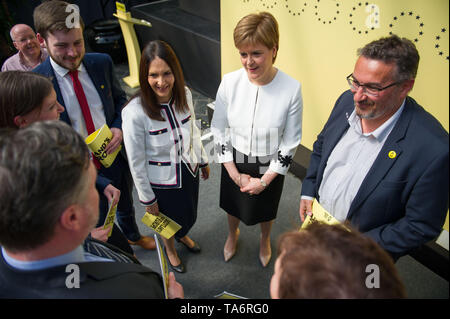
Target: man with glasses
(381, 160)
(30, 53)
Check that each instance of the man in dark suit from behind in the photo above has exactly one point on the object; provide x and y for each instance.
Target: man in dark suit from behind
(48, 206)
(85, 84)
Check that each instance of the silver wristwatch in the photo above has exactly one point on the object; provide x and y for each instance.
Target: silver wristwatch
(263, 183)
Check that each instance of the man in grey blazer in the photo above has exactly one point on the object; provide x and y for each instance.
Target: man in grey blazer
(381, 160)
(60, 26)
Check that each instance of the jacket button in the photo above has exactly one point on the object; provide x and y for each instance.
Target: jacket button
(159, 164)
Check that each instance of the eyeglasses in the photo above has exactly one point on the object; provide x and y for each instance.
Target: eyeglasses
(367, 89)
(23, 40)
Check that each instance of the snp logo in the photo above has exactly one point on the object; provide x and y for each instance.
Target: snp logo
(73, 279)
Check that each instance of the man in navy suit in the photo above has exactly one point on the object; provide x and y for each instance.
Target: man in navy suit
(381, 160)
(60, 26)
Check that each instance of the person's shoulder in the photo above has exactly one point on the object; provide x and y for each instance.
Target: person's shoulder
(234, 75)
(133, 106)
(286, 77)
(287, 81)
(9, 63)
(97, 57)
(135, 281)
(424, 123)
(43, 68)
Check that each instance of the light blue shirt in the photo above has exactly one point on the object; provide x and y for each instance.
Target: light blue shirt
(78, 255)
(349, 163)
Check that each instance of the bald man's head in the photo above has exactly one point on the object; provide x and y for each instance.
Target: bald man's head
(25, 41)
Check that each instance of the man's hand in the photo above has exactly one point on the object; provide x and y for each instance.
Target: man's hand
(175, 289)
(101, 234)
(305, 208)
(115, 141)
(111, 192)
(153, 209)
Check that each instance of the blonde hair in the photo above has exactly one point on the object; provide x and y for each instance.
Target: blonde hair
(257, 28)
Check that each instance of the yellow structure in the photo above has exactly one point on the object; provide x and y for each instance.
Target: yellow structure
(131, 42)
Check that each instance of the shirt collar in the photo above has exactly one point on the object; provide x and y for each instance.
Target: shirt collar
(61, 71)
(42, 57)
(72, 257)
(381, 132)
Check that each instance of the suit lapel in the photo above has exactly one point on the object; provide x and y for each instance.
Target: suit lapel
(389, 154)
(50, 73)
(95, 77)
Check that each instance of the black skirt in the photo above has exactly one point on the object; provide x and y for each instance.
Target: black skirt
(250, 209)
(180, 204)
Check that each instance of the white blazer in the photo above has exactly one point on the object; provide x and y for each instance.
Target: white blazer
(155, 149)
(258, 120)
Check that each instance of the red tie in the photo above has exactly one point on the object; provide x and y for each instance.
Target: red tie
(81, 97)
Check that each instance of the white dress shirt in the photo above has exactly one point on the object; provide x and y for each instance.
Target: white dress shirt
(71, 102)
(258, 120)
(349, 163)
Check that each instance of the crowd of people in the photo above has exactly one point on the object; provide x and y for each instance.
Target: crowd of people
(379, 165)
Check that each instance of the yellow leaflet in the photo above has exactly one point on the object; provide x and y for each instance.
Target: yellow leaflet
(161, 224)
(97, 143)
(163, 265)
(110, 217)
(319, 214)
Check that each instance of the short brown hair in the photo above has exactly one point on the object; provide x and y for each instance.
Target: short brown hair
(21, 93)
(393, 49)
(330, 262)
(257, 28)
(51, 16)
(160, 49)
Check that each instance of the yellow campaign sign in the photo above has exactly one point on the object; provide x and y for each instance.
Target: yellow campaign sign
(163, 265)
(161, 224)
(110, 217)
(319, 214)
(97, 143)
(120, 6)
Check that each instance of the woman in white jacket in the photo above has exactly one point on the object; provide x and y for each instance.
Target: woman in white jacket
(257, 127)
(163, 144)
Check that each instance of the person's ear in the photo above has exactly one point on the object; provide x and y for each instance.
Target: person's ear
(20, 121)
(407, 86)
(41, 40)
(70, 218)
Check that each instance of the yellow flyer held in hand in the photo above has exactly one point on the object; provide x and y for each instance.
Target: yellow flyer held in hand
(97, 143)
(319, 214)
(161, 224)
(110, 217)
